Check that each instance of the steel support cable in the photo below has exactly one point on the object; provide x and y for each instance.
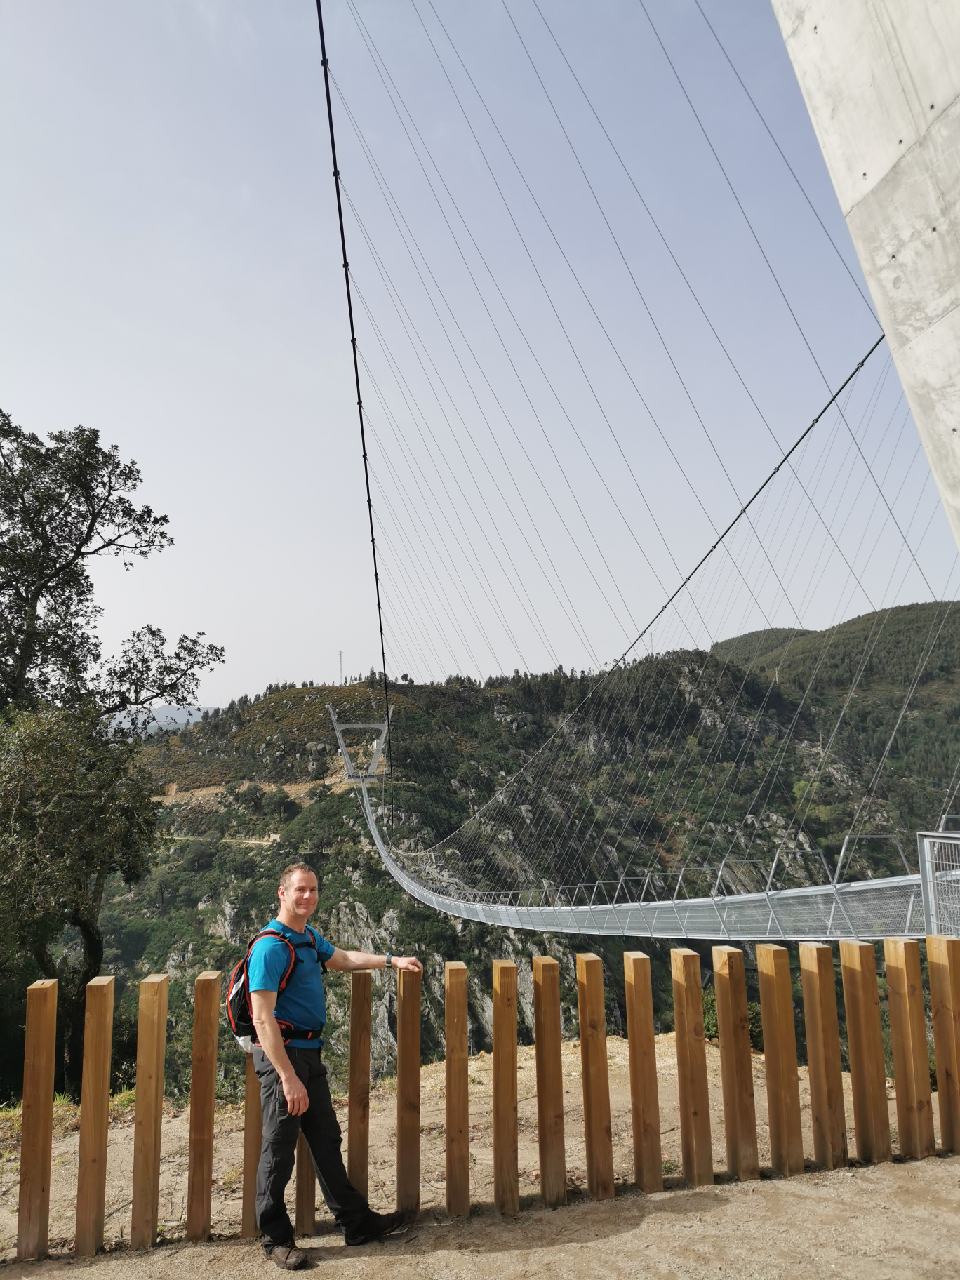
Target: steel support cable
(731, 712)
(818, 565)
(790, 169)
(686, 861)
(378, 63)
(603, 328)
(814, 783)
(451, 567)
(569, 609)
(415, 586)
(394, 93)
(773, 274)
(756, 722)
(434, 590)
(476, 247)
(418, 416)
(769, 780)
(521, 330)
(873, 638)
(681, 760)
(356, 369)
(764, 706)
(419, 422)
(528, 765)
(406, 321)
(656, 225)
(932, 637)
(633, 279)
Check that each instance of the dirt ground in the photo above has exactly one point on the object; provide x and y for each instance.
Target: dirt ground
(899, 1219)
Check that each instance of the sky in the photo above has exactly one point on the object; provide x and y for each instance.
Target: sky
(556, 435)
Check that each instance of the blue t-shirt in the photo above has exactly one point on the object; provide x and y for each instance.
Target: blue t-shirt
(302, 1002)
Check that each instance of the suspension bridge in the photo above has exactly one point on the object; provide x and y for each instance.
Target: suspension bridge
(539, 486)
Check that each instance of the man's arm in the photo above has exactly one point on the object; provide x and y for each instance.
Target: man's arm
(367, 960)
(271, 1042)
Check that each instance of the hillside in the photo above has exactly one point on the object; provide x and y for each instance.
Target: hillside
(886, 653)
(750, 766)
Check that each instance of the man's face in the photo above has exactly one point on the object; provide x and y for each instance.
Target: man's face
(299, 893)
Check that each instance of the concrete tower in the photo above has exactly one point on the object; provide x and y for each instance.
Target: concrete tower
(881, 80)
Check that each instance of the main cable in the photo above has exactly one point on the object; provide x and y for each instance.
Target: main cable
(324, 62)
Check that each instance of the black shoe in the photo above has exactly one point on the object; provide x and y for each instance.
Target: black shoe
(375, 1226)
(286, 1256)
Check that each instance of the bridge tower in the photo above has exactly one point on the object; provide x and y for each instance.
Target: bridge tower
(881, 80)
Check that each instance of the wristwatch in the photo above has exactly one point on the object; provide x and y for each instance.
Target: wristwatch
(388, 960)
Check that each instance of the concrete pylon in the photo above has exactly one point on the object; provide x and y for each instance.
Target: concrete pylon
(881, 80)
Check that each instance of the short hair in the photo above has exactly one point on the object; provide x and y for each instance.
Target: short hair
(293, 868)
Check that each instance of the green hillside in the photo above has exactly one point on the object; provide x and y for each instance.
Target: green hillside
(752, 764)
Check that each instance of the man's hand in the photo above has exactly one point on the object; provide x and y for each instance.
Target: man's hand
(295, 1093)
(408, 964)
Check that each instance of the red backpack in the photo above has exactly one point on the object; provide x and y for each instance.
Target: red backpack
(238, 1004)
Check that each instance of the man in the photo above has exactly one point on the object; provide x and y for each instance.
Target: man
(294, 1093)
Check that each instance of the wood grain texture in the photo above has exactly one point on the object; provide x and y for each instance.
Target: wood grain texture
(203, 1088)
(868, 1076)
(822, 1027)
(457, 1089)
(252, 1137)
(36, 1141)
(506, 1173)
(148, 1111)
(695, 1136)
(780, 1059)
(94, 1116)
(358, 1091)
(408, 1091)
(943, 967)
(908, 1037)
(736, 1063)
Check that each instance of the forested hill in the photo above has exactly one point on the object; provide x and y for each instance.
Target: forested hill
(259, 783)
(884, 657)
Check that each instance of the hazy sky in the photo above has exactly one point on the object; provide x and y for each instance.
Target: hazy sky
(569, 434)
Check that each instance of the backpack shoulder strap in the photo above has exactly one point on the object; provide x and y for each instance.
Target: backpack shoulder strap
(291, 957)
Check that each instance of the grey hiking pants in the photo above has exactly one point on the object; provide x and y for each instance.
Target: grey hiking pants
(279, 1146)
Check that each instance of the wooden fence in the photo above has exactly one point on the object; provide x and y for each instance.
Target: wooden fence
(908, 1034)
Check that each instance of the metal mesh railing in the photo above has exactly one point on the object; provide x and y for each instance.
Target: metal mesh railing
(892, 905)
(940, 873)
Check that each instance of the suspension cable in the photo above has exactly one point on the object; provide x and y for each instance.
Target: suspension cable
(324, 62)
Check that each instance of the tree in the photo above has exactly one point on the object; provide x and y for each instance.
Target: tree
(75, 808)
(64, 503)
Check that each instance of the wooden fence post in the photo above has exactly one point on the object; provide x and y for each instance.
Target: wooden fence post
(457, 1092)
(644, 1089)
(823, 1055)
(943, 964)
(736, 1063)
(148, 1112)
(94, 1116)
(908, 1034)
(780, 1059)
(695, 1137)
(596, 1086)
(251, 1151)
(547, 1037)
(36, 1141)
(358, 1097)
(305, 1196)
(868, 1076)
(506, 1174)
(203, 1092)
(408, 1091)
